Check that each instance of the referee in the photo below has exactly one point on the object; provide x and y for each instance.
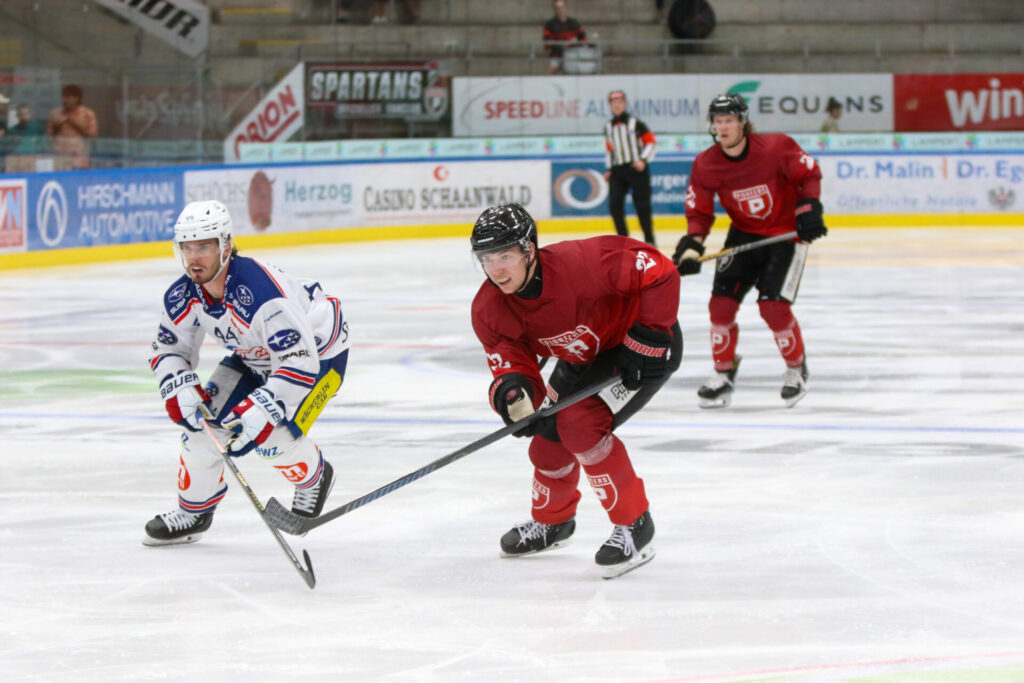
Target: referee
(630, 147)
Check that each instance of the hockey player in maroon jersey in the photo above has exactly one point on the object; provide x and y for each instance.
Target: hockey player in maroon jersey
(599, 306)
(768, 186)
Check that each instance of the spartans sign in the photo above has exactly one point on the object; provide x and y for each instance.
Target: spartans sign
(397, 90)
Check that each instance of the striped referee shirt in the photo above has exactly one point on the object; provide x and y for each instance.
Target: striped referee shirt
(627, 139)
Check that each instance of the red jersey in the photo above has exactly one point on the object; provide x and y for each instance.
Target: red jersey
(758, 191)
(593, 291)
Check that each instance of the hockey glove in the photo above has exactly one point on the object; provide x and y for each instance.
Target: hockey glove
(687, 252)
(512, 398)
(183, 394)
(643, 357)
(809, 223)
(252, 421)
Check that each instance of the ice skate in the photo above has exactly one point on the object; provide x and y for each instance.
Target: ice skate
(177, 527)
(532, 537)
(794, 384)
(628, 547)
(309, 502)
(717, 391)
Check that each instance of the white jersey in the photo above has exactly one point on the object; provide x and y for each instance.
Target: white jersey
(280, 327)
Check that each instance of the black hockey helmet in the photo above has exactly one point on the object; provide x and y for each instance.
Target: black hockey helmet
(730, 103)
(501, 227)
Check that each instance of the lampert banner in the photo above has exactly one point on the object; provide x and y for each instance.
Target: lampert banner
(278, 116)
(83, 209)
(394, 90)
(922, 183)
(579, 188)
(960, 102)
(293, 198)
(183, 24)
(559, 105)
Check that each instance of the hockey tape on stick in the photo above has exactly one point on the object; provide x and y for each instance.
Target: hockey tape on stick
(748, 247)
(289, 522)
(306, 572)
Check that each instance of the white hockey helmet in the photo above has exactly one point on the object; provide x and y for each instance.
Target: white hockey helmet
(204, 220)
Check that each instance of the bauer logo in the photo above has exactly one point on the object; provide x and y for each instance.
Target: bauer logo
(283, 339)
(52, 214)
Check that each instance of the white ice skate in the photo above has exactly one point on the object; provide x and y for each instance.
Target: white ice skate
(717, 391)
(794, 385)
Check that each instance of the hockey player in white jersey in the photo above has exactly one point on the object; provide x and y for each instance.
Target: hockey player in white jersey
(289, 347)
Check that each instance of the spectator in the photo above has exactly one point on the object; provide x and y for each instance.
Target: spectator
(3, 114)
(26, 136)
(70, 125)
(558, 30)
(835, 110)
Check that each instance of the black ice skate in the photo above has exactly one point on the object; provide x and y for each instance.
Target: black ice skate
(309, 502)
(628, 547)
(794, 384)
(717, 391)
(177, 527)
(532, 537)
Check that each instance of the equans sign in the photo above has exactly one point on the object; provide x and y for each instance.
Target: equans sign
(184, 24)
(277, 117)
(393, 90)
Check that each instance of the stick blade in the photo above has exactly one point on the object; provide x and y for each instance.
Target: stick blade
(308, 575)
(284, 519)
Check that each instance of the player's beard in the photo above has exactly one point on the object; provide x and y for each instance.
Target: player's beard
(739, 141)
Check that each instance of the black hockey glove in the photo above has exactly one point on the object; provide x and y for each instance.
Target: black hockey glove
(687, 252)
(512, 398)
(809, 223)
(643, 357)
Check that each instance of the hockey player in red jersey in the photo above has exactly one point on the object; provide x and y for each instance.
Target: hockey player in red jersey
(599, 306)
(768, 186)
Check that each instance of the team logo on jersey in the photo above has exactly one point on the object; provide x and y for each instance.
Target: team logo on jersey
(578, 345)
(496, 362)
(293, 473)
(166, 336)
(178, 292)
(541, 495)
(605, 489)
(184, 480)
(283, 339)
(755, 202)
(244, 294)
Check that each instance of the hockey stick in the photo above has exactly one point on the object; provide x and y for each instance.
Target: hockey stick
(289, 522)
(747, 247)
(305, 572)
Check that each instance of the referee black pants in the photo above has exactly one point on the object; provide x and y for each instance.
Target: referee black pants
(623, 179)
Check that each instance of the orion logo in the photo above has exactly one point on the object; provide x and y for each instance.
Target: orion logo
(567, 189)
(52, 214)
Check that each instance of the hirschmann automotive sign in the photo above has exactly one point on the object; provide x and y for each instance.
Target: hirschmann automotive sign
(401, 90)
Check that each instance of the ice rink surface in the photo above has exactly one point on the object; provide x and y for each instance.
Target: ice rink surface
(875, 532)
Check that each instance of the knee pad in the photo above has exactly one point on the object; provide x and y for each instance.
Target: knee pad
(723, 310)
(777, 314)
